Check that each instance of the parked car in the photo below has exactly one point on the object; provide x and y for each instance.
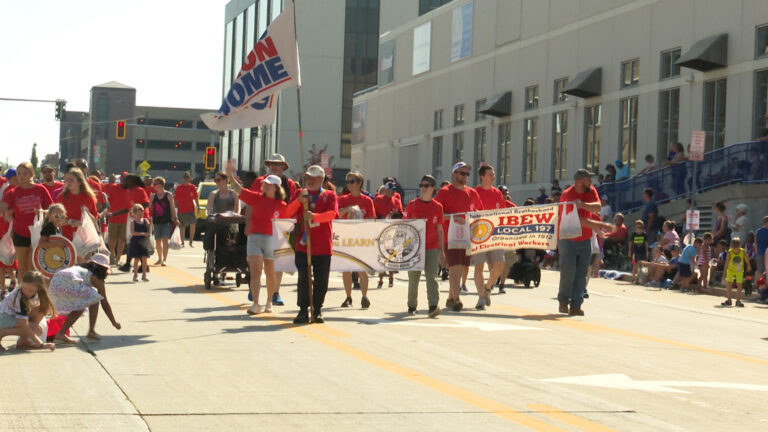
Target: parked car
(203, 190)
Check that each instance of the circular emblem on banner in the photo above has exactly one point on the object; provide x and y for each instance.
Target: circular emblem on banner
(481, 230)
(49, 260)
(399, 245)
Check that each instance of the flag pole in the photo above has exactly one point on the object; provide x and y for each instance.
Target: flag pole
(305, 193)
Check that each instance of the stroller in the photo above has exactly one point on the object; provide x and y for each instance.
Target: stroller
(225, 249)
(526, 269)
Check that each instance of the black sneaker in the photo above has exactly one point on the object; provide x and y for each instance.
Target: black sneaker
(458, 306)
(125, 267)
(347, 302)
(411, 311)
(302, 317)
(726, 303)
(586, 295)
(444, 275)
(502, 290)
(464, 288)
(318, 318)
(356, 285)
(739, 303)
(450, 302)
(277, 300)
(434, 311)
(365, 303)
(391, 283)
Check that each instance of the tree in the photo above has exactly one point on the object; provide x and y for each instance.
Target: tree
(316, 157)
(33, 159)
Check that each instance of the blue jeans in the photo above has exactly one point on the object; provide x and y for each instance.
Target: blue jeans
(574, 265)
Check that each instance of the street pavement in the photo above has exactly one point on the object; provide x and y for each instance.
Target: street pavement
(188, 359)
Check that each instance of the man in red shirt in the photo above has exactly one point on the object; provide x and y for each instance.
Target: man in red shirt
(490, 199)
(187, 202)
(387, 205)
(575, 253)
(457, 198)
(323, 209)
(49, 179)
(355, 205)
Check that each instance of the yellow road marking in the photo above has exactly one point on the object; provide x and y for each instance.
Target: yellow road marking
(571, 419)
(597, 328)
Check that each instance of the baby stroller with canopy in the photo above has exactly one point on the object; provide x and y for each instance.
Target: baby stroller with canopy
(225, 249)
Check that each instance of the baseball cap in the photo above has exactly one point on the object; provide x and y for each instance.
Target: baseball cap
(582, 173)
(458, 165)
(46, 168)
(390, 186)
(315, 171)
(10, 173)
(273, 179)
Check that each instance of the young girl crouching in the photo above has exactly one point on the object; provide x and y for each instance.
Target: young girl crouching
(23, 309)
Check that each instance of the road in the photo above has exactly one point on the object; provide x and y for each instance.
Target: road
(188, 359)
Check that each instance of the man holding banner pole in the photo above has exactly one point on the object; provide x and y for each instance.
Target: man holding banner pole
(490, 199)
(575, 253)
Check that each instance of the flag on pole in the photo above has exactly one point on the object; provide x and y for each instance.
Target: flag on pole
(272, 65)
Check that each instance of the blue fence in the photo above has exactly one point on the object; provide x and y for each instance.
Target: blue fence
(737, 163)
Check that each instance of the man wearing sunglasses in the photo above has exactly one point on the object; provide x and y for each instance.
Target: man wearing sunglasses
(457, 199)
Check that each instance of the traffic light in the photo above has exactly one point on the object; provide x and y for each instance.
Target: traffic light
(209, 158)
(60, 109)
(120, 129)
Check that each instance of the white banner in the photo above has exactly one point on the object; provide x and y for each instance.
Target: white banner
(527, 227)
(362, 245)
(272, 65)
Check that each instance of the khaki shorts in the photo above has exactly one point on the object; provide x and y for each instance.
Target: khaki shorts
(116, 231)
(186, 219)
(488, 257)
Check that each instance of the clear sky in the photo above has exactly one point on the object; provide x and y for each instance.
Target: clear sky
(170, 51)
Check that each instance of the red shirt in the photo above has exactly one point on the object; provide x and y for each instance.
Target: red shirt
(589, 196)
(53, 187)
(325, 206)
(490, 199)
(432, 211)
(289, 187)
(384, 205)
(264, 209)
(126, 199)
(619, 233)
(96, 188)
(457, 201)
(25, 202)
(73, 204)
(364, 202)
(185, 196)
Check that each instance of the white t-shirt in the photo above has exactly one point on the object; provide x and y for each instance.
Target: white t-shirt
(605, 213)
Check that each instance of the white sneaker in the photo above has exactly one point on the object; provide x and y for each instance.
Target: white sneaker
(255, 309)
(268, 307)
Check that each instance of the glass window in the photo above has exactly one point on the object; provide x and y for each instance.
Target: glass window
(668, 67)
(559, 144)
(713, 121)
(250, 29)
(669, 114)
(225, 151)
(438, 124)
(478, 105)
(227, 58)
(628, 131)
(761, 104)
(761, 41)
(237, 55)
(437, 158)
(480, 146)
(245, 155)
(275, 9)
(458, 147)
(592, 121)
(505, 149)
(559, 96)
(630, 73)
(263, 17)
(532, 97)
(458, 114)
(531, 141)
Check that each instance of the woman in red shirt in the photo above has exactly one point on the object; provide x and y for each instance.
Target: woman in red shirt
(77, 194)
(355, 205)
(268, 204)
(24, 201)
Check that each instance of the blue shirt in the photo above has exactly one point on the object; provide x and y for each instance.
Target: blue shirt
(622, 173)
(689, 253)
(650, 207)
(761, 238)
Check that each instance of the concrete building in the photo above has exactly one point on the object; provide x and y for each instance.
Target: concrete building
(542, 88)
(171, 140)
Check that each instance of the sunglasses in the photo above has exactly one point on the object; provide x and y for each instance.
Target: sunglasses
(58, 216)
(463, 173)
(426, 185)
(352, 181)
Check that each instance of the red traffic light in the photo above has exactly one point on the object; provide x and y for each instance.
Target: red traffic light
(210, 152)
(121, 124)
(209, 159)
(120, 129)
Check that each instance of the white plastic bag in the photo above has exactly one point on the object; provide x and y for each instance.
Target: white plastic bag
(36, 228)
(570, 225)
(7, 251)
(86, 238)
(595, 244)
(175, 241)
(458, 233)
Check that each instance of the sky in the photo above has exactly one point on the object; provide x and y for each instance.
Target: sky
(170, 51)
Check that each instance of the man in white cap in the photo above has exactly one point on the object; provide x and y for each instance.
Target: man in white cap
(457, 198)
(323, 209)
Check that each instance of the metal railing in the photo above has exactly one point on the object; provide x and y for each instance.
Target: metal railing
(738, 163)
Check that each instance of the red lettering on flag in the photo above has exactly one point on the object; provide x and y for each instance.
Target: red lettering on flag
(263, 50)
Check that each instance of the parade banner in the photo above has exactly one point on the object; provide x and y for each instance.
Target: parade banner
(362, 245)
(527, 227)
(272, 65)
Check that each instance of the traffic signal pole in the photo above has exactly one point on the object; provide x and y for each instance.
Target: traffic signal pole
(60, 104)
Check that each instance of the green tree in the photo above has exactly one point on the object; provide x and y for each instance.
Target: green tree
(33, 159)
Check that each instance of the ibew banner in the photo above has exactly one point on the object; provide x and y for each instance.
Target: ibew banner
(272, 65)
(527, 227)
(362, 245)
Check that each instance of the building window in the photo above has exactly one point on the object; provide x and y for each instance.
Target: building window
(559, 96)
(531, 138)
(437, 157)
(480, 146)
(668, 67)
(478, 105)
(669, 114)
(505, 149)
(761, 41)
(761, 104)
(628, 131)
(714, 113)
(630, 73)
(532, 97)
(559, 144)
(438, 123)
(592, 121)
(428, 5)
(458, 147)
(458, 114)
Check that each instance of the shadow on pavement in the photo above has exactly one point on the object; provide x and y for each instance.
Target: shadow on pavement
(113, 341)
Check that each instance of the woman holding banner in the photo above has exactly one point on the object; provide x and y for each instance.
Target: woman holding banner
(355, 205)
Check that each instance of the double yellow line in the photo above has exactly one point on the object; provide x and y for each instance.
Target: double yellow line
(330, 336)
